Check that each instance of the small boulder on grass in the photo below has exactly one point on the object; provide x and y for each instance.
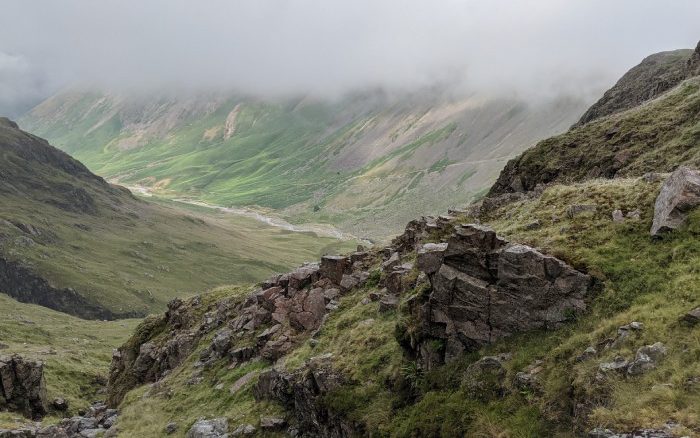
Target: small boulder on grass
(647, 358)
(679, 194)
(215, 428)
(692, 317)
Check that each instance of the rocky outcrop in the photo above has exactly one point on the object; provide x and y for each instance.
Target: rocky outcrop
(22, 386)
(302, 392)
(487, 288)
(140, 360)
(266, 324)
(655, 75)
(679, 194)
(26, 286)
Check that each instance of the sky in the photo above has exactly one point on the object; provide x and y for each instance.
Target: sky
(532, 48)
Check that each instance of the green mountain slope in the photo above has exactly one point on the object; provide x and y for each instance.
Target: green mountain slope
(367, 163)
(656, 136)
(72, 242)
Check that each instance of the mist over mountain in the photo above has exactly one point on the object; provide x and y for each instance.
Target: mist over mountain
(268, 47)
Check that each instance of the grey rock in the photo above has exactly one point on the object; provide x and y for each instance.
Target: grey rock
(348, 282)
(244, 430)
(388, 303)
(223, 340)
(302, 392)
(60, 404)
(617, 216)
(587, 354)
(398, 281)
(679, 194)
(478, 294)
(243, 381)
(392, 262)
(655, 352)
(646, 359)
(634, 214)
(429, 257)
(215, 428)
(620, 364)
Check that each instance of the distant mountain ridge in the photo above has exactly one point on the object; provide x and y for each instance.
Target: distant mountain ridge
(655, 75)
(648, 122)
(367, 163)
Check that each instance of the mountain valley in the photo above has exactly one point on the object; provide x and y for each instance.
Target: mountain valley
(558, 296)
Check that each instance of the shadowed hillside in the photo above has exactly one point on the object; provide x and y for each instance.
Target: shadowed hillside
(72, 242)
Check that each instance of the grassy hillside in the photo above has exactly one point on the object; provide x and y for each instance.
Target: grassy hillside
(654, 137)
(120, 253)
(76, 352)
(368, 163)
(651, 282)
(655, 75)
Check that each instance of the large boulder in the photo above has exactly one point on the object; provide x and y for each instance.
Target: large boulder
(22, 386)
(487, 288)
(679, 194)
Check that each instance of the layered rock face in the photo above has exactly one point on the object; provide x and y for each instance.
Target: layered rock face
(484, 288)
(679, 194)
(22, 386)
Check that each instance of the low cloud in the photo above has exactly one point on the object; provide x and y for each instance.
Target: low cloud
(271, 47)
